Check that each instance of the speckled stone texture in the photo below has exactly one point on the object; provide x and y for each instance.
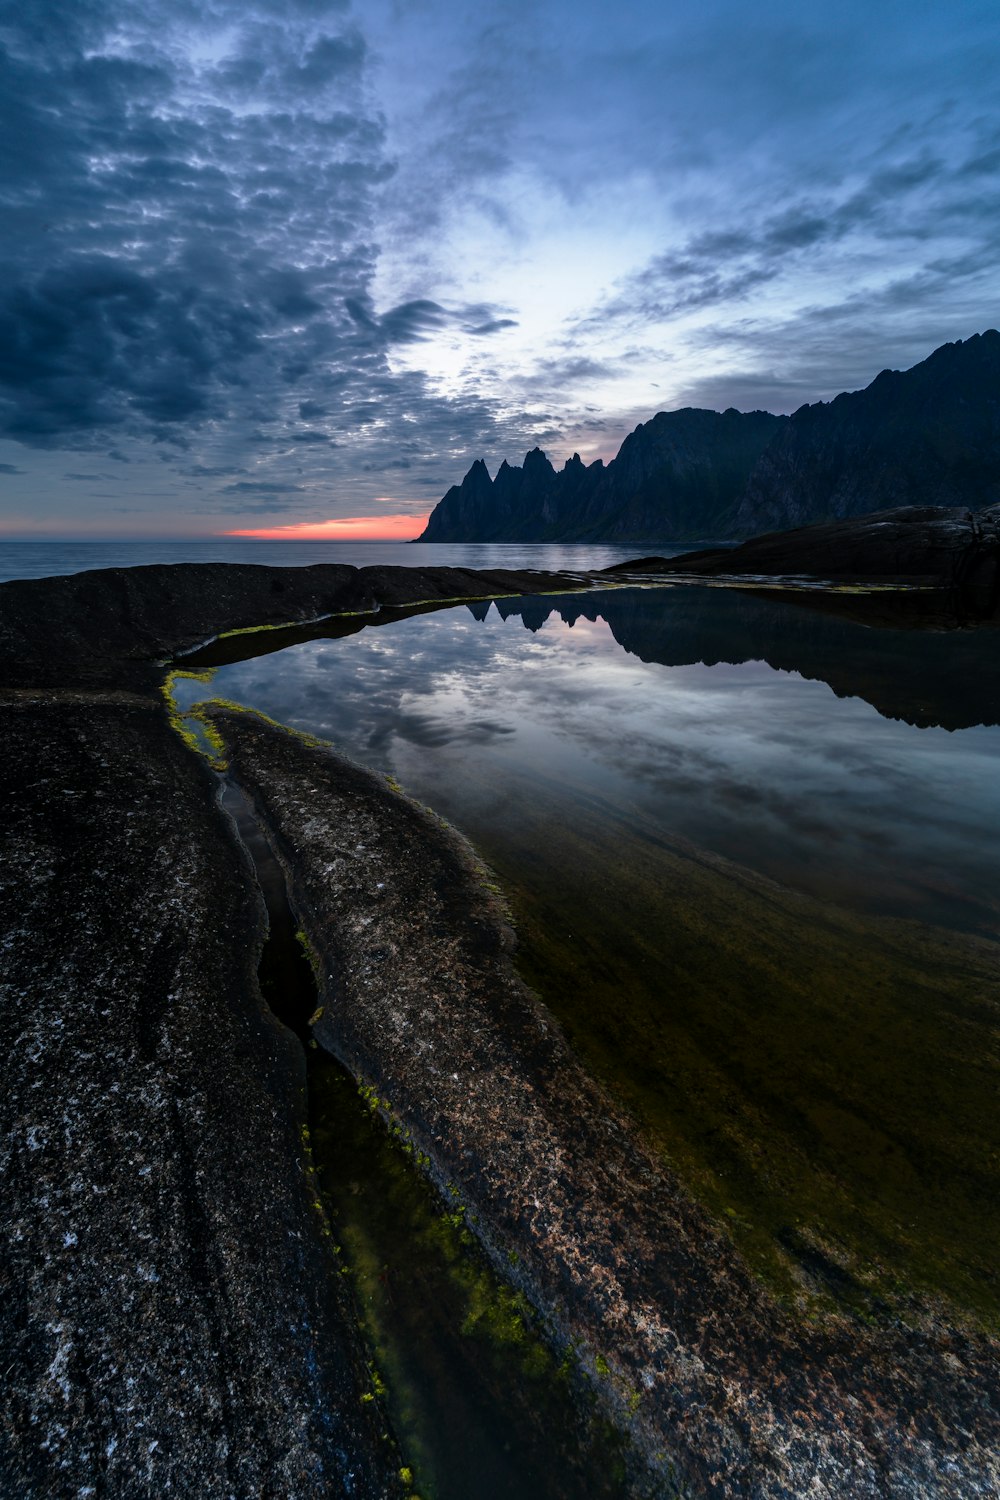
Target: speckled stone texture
(170, 1319)
(169, 1323)
(718, 1385)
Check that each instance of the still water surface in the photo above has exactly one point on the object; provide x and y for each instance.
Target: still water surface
(662, 707)
(754, 858)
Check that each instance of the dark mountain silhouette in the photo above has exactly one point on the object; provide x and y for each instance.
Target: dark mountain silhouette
(682, 474)
(925, 436)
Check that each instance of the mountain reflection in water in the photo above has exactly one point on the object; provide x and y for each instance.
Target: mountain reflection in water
(698, 726)
(764, 912)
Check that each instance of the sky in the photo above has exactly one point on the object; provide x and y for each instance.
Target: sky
(298, 263)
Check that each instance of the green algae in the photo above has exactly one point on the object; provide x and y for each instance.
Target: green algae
(302, 938)
(226, 635)
(205, 706)
(249, 641)
(192, 725)
(823, 1082)
(464, 1361)
(195, 724)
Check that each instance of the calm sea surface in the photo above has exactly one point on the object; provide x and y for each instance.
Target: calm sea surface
(48, 559)
(753, 854)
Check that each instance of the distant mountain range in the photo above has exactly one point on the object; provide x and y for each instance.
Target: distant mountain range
(926, 436)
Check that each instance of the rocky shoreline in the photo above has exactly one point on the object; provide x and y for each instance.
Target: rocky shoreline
(170, 1318)
(421, 1001)
(951, 554)
(176, 1322)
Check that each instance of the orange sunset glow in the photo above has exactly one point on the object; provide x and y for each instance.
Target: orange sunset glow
(392, 528)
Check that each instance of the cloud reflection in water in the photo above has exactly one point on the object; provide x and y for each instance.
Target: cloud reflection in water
(745, 758)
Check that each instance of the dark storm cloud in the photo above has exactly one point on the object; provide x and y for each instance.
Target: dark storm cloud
(494, 325)
(189, 212)
(480, 319)
(412, 321)
(188, 244)
(218, 255)
(273, 64)
(10, 469)
(151, 279)
(556, 374)
(405, 324)
(260, 487)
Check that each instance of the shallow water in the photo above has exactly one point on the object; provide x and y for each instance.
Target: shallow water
(753, 854)
(477, 1401)
(480, 708)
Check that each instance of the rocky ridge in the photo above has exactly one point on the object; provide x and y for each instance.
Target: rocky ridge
(950, 551)
(678, 475)
(925, 436)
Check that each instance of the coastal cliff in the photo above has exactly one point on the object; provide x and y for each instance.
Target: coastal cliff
(925, 436)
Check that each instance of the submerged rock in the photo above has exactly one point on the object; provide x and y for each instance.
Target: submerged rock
(171, 1319)
(720, 1386)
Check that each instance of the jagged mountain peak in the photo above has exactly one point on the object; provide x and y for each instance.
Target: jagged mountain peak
(927, 435)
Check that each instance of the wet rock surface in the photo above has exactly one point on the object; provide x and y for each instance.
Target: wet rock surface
(723, 1391)
(171, 1321)
(953, 551)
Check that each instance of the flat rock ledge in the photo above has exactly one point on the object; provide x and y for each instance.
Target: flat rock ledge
(947, 550)
(723, 1392)
(171, 1320)
(170, 1324)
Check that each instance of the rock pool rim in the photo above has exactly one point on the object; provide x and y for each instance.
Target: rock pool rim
(105, 648)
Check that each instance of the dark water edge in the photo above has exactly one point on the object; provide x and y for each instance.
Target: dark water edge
(478, 1403)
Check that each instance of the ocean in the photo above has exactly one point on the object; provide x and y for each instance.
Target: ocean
(23, 558)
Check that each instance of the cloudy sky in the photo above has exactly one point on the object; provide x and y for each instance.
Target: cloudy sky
(290, 261)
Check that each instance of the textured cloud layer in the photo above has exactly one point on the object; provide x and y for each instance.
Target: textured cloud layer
(284, 257)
